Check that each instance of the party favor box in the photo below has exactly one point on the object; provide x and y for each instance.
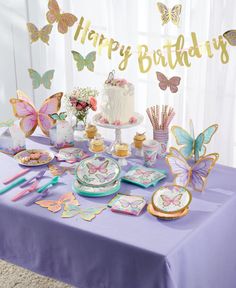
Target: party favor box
(12, 140)
(62, 135)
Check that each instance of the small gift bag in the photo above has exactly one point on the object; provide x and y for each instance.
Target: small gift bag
(162, 136)
(62, 134)
(12, 140)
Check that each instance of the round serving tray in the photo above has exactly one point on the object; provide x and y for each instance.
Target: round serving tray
(45, 157)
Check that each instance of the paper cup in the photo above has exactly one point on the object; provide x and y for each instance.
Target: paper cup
(150, 151)
(162, 136)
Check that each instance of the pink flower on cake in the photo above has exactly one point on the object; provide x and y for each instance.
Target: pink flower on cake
(117, 122)
(103, 120)
(93, 103)
(133, 120)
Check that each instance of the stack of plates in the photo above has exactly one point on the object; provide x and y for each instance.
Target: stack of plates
(170, 202)
(97, 177)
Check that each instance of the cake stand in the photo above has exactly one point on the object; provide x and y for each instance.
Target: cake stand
(117, 128)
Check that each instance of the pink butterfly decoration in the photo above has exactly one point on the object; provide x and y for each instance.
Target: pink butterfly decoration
(24, 109)
(101, 168)
(172, 83)
(194, 176)
(167, 201)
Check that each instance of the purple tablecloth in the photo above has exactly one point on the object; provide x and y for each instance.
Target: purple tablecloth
(121, 251)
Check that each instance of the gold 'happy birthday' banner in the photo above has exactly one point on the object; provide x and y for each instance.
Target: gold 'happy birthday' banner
(171, 54)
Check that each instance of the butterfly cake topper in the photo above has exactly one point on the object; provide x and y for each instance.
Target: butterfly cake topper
(44, 80)
(63, 20)
(30, 117)
(164, 82)
(169, 14)
(82, 62)
(36, 34)
(185, 174)
(191, 146)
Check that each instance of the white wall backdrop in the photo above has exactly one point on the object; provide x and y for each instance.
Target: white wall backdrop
(207, 92)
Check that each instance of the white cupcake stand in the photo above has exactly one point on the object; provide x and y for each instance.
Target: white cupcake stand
(118, 128)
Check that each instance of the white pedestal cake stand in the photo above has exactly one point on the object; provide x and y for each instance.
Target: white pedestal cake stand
(117, 128)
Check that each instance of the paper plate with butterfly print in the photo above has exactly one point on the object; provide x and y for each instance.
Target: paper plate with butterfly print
(171, 199)
(97, 171)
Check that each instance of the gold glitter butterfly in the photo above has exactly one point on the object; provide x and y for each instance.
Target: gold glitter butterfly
(36, 34)
(169, 14)
(230, 36)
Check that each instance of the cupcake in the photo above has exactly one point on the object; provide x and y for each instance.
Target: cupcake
(138, 140)
(122, 149)
(91, 131)
(97, 145)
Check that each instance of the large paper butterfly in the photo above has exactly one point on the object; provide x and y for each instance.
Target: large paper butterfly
(64, 20)
(190, 145)
(101, 168)
(103, 178)
(24, 109)
(59, 170)
(167, 201)
(194, 176)
(135, 204)
(56, 205)
(172, 83)
(36, 34)
(82, 62)
(87, 214)
(37, 79)
(230, 36)
(169, 14)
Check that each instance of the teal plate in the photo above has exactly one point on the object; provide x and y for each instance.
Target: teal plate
(95, 191)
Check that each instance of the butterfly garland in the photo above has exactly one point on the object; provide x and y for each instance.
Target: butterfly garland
(169, 14)
(164, 82)
(56, 205)
(191, 146)
(82, 62)
(59, 170)
(87, 214)
(36, 34)
(37, 79)
(194, 176)
(63, 20)
(230, 36)
(24, 109)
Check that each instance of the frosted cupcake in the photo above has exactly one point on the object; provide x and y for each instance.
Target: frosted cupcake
(138, 140)
(122, 149)
(91, 131)
(97, 145)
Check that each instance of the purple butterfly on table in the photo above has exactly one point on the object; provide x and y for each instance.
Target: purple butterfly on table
(195, 175)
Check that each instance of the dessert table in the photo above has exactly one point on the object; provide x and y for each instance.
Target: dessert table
(121, 251)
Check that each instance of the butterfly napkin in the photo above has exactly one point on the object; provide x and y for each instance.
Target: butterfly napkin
(127, 204)
(87, 214)
(59, 170)
(143, 176)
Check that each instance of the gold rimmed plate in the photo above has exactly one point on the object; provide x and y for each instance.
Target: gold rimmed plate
(167, 216)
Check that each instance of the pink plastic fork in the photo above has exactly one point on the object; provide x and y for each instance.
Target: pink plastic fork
(27, 191)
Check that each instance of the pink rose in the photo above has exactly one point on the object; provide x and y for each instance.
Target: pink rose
(133, 120)
(93, 103)
(79, 107)
(73, 101)
(84, 104)
(117, 122)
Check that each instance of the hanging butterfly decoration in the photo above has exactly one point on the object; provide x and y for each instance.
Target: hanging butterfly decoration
(87, 214)
(164, 83)
(37, 79)
(169, 14)
(59, 117)
(230, 36)
(191, 146)
(56, 205)
(194, 176)
(63, 20)
(82, 62)
(59, 170)
(9, 123)
(24, 109)
(36, 34)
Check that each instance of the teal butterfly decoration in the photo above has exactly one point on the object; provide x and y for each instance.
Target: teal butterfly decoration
(82, 62)
(37, 79)
(7, 123)
(87, 214)
(190, 145)
(60, 116)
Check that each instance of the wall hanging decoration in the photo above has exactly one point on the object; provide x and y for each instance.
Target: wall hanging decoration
(24, 109)
(63, 20)
(191, 146)
(12, 139)
(230, 36)
(169, 14)
(37, 79)
(192, 175)
(36, 34)
(82, 62)
(172, 83)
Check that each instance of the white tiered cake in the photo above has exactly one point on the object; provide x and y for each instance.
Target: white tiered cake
(117, 106)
